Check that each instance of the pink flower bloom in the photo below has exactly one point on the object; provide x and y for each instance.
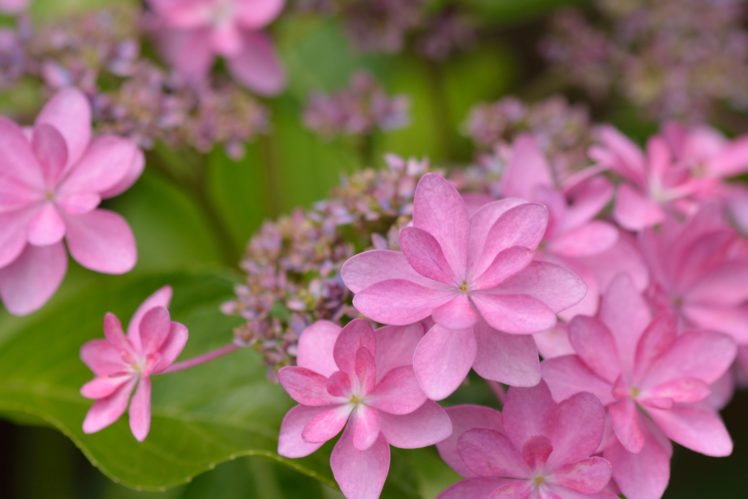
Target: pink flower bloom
(362, 383)
(474, 276)
(534, 449)
(197, 31)
(52, 179)
(651, 380)
(123, 362)
(677, 170)
(13, 6)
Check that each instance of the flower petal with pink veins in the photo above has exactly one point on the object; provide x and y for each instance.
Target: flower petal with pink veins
(595, 345)
(457, 313)
(489, 453)
(365, 369)
(443, 359)
(103, 359)
(70, 113)
(576, 429)
(634, 211)
(515, 314)
(356, 335)
(374, 266)
(106, 411)
(105, 163)
(398, 302)
(46, 227)
(17, 157)
(102, 387)
(588, 239)
(507, 358)
(51, 152)
(31, 280)
(587, 476)
(480, 488)
(306, 387)
(257, 65)
(568, 375)
(464, 418)
(315, 347)
(644, 475)
(425, 255)
(360, 474)
(140, 410)
(154, 329)
(172, 346)
(696, 428)
(426, 426)
(395, 346)
(557, 287)
(327, 423)
(290, 442)
(527, 169)
(101, 241)
(627, 424)
(257, 14)
(526, 412)
(732, 320)
(438, 208)
(398, 392)
(506, 264)
(160, 298)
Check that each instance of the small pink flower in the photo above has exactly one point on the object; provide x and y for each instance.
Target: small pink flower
(122, 363)
(52, 179)
(653, 382)
(13, 6)
(362, 383)
(535, 448)
(197, 31)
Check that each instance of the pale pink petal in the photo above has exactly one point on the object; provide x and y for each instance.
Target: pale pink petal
(425, 255)
(99, 388)
(105, 163)
(696, 428)
(339, 384)
(731, 160)
(306, 387)
(457, 313)
(443, 359)
(46, 227)
(70, 113)
(182, 13)
(365, 369)
(398, 392)
(440, 210)
(568, 375)
(527, 168)
(516, 314)
(132, 175)
(554, 342)
(489, 453)
(257, 65)
(516, 489)
(226, 39)
(364, 427)
(101, 241)
(107, 410)
(315, 347)
(257, 14)
(622, 258)
(140, 410)
(154, 328)
(172, 346)
(478, 488)
(481, 223)
(557, 287)
(395, 346)
(103, 358)
(595, 345)
(619, 153)
(19, 162)
(188, 51)
(506, 264)
(724, 285)
(114, 334)
(327, 423)
(644, 475)
(370, 267)
(290, 442)
(588, 198)
(428, 425)
(576, 429)
(683, 390)
(398, 302)
(466, 417)
(31, 280)
(51, 151)
(79, 202)
(13, 235)
(732, 320)
(656, 339)
(360, 474)
(627, 424)
(506, 358)
(722, 390)
(587, 476)
(634, 211)
(526, 412)
(588, 239)
(356, 335)
(161, 298)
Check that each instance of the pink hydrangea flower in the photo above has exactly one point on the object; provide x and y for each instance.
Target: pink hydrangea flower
(52, 179)
(535, 448)
(475, 276)
(13, 6)
(125, 363)
(197, 31)
(653, 382)
(676, 172)
(361, 383)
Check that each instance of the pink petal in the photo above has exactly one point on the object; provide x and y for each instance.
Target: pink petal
(339, 384)
(696, 428)
(724, 285)
(577, 426)
(568, 375)
(13, 235)
(132, 175)
(18, 160)
(99, 388)
(31, 280)
(554, 342)
(364, 427)
(306, 387)
(457, 313)
(527, 169)
(70, 113)
(114, 334)
(365, 369)
(105, 163)
(51, 152)
(588, 239)
(627, 424)
(634, 211)
(47, 227)
(257, 65)
(588, 476)
(371, 267)
(489, 453)
(395, 346)
(481, 223)
(172, 346)
(516, 314)
(732, 320)
(161, 298)
(683, 390)
(154, 328)
(506, 264)
(103, 358)
(506, 358)
(644, 475)
(731, 160)
(360, 474)
(426, 426)
(354, 336)
(595, 345)
(526, 412)
(79, 202)
(588, 198)
(483, 488)
(327, 423)
(107, 410)
(398, 392)
(464, 418)
(519, 489)
(101, 241)
(557, 287)
(425, 255)
(188, 51)
(226, 39)
(657, 338)
(619, 153)
(398, 302)
(443, 359)
(140, 410)
(440, 210)
(257, 14)
(535, 452)
(316, 346)
(290, 442)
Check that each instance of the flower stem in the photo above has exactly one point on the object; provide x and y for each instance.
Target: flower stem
(202, 359)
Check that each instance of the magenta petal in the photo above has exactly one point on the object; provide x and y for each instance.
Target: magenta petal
(114, 334)
(290, 442)
(154, 328)
(557, 287)
(326, 424)
(479, 488)
(306, 387)
(103, 358)
(587, 476)
(106, 162)
(489, 453)
(140, 410)
(13, 235)
(364, 427)
(395, 346)
(697, 428)
(398, 392)
(360, 474)
(356, 335)
(370, 267)
(577, 426)
(172, 346)
(634, 211)
(425, 255)
(481, 223)
(568, 375)
(161, 298)
(99, 388)
(507, 358)
(428, 425)
(107, 410)
(51, 151)
(516, 314)
(656, 340)
(18, 159)
(365, 370)
(506, 264)
(683, 390)
(70, 113)
(443, 359)
(526, 412)
(46, 227)
(732, 320)
(316, 346)
(627, 424)
(101, 241)
(644, 475)
(466, 417)
(257, 65)
(457, 313)
(594, 344)
(32, 279)
(399, 302)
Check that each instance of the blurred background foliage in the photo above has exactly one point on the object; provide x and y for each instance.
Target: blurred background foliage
(194, 239)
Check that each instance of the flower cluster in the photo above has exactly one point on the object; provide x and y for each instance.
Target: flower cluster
(667, 57)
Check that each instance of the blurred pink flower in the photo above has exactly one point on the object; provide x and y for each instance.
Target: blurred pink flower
(120, 363)
(13, 6)
(192, 33)
(534, 449)
(362, 383)
(52, 179)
